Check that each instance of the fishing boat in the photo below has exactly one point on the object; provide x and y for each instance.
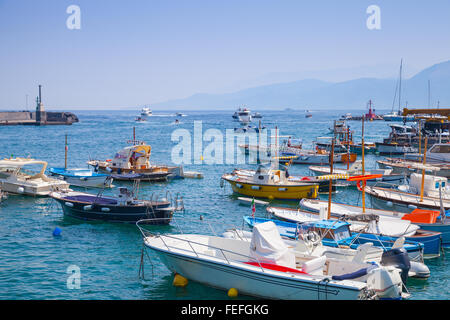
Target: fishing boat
(16, 177)
(123, 207)
(133, 163)
(322, 181)
(336, 233)
(270, 183)
(308, 114)
(146, 111)
(266, 268)
(388, 178)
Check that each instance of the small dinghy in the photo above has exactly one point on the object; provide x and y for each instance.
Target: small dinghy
(82, 177)
(124, 207)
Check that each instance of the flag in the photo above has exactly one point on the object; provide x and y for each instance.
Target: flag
(253, 208)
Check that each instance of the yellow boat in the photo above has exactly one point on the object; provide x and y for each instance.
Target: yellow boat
(270, 184)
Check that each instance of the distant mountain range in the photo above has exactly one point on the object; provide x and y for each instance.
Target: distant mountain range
(317, 94)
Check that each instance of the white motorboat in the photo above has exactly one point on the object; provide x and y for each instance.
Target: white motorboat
(388, 179)
(16, 177)
(266, 267)
(146, 111)
(408, 198)
(242, 112)
(383, 225)
(438, 153)
(405, 167)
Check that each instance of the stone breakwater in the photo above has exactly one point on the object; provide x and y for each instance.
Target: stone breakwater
(29, 118)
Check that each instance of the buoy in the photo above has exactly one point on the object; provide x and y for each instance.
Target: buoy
(232, 293)
(179, 281)
(389, 204)
(57, 232)
(271, 197)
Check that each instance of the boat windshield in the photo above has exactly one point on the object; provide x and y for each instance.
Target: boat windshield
(440, 148)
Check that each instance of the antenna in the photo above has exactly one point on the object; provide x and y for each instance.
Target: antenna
(400, 86)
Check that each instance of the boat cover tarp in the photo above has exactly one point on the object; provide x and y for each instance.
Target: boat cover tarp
(267, 246)
(91, 199)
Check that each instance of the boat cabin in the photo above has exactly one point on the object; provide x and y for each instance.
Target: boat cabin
(132, 157)
(270, 176)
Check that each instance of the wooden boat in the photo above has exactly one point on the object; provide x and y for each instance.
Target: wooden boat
(16, 178)
(388, 179)
(265, 267)
(135, 159)
(124, 207)
(322, 181)
(270, 183)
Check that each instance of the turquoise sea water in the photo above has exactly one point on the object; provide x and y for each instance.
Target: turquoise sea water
(34, 263)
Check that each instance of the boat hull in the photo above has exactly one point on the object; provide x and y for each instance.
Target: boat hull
(253, 283)
(286, 192)
(160, 214)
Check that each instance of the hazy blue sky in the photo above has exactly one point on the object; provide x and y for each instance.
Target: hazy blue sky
(129, 53)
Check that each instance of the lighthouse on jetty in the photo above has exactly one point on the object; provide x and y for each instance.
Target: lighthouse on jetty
(41, 115)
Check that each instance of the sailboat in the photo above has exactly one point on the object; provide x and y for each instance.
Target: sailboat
(396, 115)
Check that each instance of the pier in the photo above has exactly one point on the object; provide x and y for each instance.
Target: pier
(39, 117)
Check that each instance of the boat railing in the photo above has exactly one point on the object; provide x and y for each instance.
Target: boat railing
(147, 233)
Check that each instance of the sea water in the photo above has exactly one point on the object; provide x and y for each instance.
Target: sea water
(99, 260)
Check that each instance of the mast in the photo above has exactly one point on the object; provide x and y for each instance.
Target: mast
(423, 169)
(66, 148)
(330, 189)
(363, 169)
(400, 87)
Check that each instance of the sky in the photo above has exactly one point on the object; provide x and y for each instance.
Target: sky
(130, 53)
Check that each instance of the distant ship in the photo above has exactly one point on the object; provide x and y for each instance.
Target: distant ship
(308, 114)
(146, 111)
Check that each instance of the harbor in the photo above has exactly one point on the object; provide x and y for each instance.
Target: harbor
(225, 159)
(205, 203)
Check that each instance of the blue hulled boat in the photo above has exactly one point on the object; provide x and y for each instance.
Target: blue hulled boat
(335, 233)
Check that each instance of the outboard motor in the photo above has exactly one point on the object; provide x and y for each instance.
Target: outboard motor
(397, 257)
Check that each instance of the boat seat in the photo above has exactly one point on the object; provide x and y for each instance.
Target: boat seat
(314, 266)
